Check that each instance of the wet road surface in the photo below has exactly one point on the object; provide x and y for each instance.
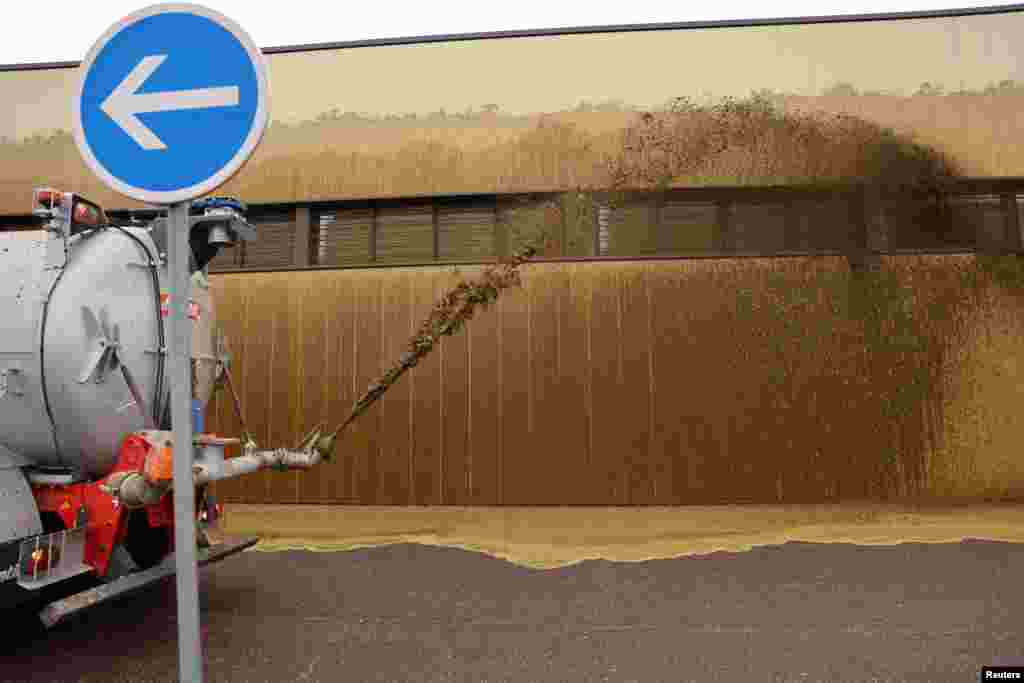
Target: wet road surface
(795, 612)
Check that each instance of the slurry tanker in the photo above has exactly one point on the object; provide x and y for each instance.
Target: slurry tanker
(86, 450)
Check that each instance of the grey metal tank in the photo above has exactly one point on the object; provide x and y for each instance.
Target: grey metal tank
(73, 308)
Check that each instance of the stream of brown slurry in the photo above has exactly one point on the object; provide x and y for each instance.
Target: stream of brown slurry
(554, 537)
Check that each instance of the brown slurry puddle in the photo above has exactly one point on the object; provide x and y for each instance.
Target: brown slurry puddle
(555, 537)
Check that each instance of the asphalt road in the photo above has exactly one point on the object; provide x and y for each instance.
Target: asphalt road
(798, 612)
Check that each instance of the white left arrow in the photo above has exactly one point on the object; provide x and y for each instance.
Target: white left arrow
(125, 102)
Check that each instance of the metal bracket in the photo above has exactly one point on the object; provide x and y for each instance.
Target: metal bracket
(242, 228)
(54, 478)
(12, 382)
(58, 611)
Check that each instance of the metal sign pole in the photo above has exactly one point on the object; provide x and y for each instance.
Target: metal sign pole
(190, 660)
(221, 79)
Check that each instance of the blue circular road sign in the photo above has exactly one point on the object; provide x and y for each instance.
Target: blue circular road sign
(172, 100)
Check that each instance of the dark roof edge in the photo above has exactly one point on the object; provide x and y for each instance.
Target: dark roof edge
(582, 30)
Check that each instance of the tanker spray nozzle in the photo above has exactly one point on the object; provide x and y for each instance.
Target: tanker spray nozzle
(307, 442)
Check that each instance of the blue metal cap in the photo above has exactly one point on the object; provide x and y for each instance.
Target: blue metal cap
(200, 205)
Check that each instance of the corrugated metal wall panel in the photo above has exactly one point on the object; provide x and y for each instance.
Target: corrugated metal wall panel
(638, 337)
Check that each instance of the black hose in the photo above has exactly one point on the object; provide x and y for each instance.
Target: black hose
(158, 394)
(42, 364)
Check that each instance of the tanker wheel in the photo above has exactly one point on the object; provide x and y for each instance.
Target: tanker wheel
(51, 522)
(145, 544)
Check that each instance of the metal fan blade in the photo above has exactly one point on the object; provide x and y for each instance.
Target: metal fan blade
(105, 323)
(94, 363)
(91, 324)
(133, 387)
(113, 362)
(104, 359)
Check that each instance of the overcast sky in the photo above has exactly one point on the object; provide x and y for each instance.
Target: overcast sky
(64, 30)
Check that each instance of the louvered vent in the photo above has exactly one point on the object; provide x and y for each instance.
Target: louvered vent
(974, 221)
(819, 225)
(718, 221)
(518, 221)
(275, 241)
(630, 231)
(405, 234)
(466, 232)
(686, 227)
(344, 237)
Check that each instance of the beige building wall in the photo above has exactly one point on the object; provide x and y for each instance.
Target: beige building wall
(538, 113)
